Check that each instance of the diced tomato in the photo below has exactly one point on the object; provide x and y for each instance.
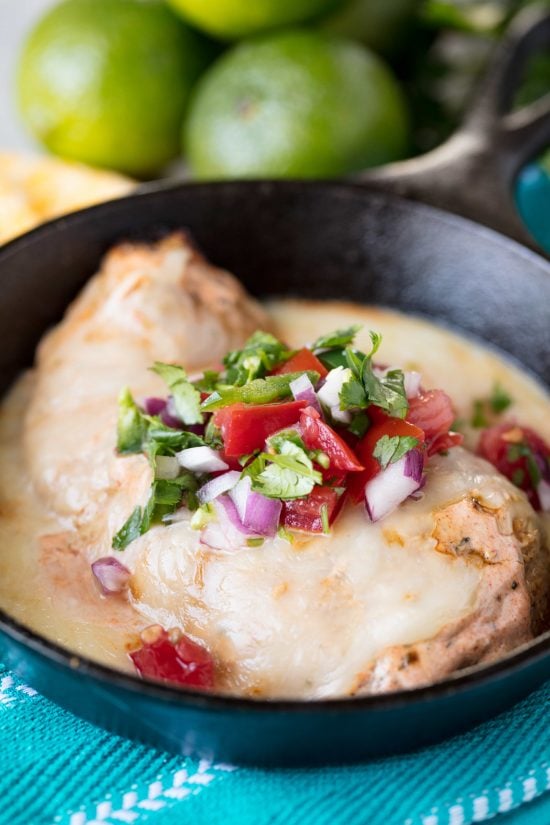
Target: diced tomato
(317, 435)
(231, 461)
(245, 427)
(306, 513)
(387, 425)
(432, 411)
(302, 361)
(181, 662)
(442, 443)
(376, 414)
(333, 478)
(502, 445)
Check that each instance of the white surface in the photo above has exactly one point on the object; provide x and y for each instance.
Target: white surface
(16, 18)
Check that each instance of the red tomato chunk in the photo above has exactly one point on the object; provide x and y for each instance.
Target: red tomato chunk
(182, 662)
(303, 361)
(432, 411)
(385, 425)
(306, 513)
(317, 435)
(517, 452)
(245, 427)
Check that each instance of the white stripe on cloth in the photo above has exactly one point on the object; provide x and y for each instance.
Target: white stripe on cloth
(152, 798)
(513, 794)
(9, 691)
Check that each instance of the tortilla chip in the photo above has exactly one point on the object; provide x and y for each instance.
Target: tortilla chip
(35, 189)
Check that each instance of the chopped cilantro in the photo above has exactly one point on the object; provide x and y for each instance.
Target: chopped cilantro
(518, 477)
(207, 382)
(285, 473)
(485, 409)
(359, 424)
(187, 399)
(132, 425)
(129, 531)
(255, 542)
(164, 498)
(202, 516)
(340, 338)
(321, 458)
(258, 391)
(285, 482)
(479, 417)
(276, 443)
(168, 440)
(387, 392)
(389, 450)
(213, 435)
(523, 450)
(324, 519)
(352, 395)
(514, 452)
(365, 387)
(499, 400)
(260, 354)
(332, 358)
(285, 534)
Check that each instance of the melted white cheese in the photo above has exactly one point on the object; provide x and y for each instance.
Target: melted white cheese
(285, 620)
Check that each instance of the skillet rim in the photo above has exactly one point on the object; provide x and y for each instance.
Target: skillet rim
(338, 187)
(478, 675)
(458, 682)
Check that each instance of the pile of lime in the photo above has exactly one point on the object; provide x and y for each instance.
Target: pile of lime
(239, 88)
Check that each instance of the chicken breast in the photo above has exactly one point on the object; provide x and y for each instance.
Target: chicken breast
(456, 578)
(440, 584)
(148, 303)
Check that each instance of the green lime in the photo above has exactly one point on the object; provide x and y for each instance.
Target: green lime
(295, 104)
(232, 19)
(106, 82)
(380, 24)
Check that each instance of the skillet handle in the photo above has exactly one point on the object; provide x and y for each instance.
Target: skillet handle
(472, 174)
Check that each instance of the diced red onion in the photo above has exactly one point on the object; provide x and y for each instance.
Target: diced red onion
(226, 531)
(111, 575)
(543, 492)
(154, 406)
(166, 466)
(217, 486)
(169, 415)
(302, 389)
(164, 408)
(202, 460)
(256, 512)
(232, 514)
(412, 383)
(393, 485)
(329, 393)
(418, 493)
(414, 464)
(239, 495)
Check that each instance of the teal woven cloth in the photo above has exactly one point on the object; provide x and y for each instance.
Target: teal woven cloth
(58, 769)
(55, 768)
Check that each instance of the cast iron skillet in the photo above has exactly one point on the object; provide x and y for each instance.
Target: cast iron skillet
(319, 240)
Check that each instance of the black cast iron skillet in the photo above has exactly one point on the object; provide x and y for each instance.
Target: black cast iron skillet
(322, 240)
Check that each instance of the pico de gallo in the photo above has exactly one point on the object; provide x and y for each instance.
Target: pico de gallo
(276, 441)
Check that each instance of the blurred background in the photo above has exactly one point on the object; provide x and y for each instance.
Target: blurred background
(212, 89)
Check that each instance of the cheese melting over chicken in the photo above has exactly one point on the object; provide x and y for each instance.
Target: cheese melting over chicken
(457, 578)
